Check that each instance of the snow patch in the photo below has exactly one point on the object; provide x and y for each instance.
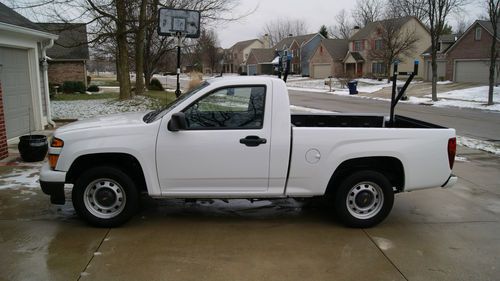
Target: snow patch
(83, 109)
(21, 178)
(487, 146)
(307, 109)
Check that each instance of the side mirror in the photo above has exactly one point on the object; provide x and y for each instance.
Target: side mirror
(178, 122)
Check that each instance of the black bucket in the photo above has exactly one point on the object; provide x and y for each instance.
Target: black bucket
(33, 148)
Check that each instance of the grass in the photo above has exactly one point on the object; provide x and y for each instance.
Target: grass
(163, 97)
(104, 81)
(78, 96)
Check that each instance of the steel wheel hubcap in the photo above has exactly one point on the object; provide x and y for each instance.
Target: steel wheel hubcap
(365, 200)
(104, 198)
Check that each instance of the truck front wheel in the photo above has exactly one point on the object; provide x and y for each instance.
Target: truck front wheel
(105, 196)
(364, 199)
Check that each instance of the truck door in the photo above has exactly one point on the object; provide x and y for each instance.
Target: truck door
(225, 148)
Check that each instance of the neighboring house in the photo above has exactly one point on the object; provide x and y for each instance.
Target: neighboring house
(301, 47)
(468, 59)
(445, 42)
(24, 96)
(260, 61)
(360, 61)
(237, 55)
(327, 59)
(68, 58)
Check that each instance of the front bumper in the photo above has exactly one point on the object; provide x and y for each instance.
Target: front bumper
(452, 180)
(52, 183)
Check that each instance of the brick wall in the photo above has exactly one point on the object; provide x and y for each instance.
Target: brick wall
(66, 71)
(468, 48)
(3, 133)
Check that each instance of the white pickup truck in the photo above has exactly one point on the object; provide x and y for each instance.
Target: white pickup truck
(236, 138)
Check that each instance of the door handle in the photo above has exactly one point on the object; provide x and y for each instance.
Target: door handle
(253, 141)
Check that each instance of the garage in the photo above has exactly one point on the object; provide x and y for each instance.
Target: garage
(321, 70)
(17, 101)
(472, 71)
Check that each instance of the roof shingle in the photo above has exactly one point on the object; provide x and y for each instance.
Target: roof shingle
(337, 48)
(72, 43)
(263, 55)
(9, 16)
(365, 32)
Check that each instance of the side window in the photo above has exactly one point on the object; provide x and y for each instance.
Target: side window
(228, 108)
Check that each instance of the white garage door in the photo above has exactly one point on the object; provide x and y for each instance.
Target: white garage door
(472, 71)
(16, 89)
(321, 70)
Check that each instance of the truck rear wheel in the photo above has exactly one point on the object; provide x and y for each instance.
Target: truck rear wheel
(364, 199)
(105, 196)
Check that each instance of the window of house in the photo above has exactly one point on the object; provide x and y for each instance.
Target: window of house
(378, 68)
(358, 46)
(477, 35)
(228, 108)
(379, 44)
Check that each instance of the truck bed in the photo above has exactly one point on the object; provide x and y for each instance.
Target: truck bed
(354, 121)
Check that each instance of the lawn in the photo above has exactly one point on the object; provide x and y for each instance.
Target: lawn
(104, 81)
(163, 97)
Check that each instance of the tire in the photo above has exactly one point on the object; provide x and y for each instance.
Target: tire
(364, 199)
(105, 196)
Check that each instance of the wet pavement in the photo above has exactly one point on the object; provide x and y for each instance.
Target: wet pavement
(430, 235)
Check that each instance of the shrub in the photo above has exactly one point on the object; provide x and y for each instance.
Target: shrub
(155, 85)
(70, 87)
(93, 88)
(89, 79)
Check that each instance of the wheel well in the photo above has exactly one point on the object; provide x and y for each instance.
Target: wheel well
(126, 162)
(390, 167)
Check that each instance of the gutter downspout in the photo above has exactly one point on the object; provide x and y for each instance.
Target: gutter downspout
(45, 66)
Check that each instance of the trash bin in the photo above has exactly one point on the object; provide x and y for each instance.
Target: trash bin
(353, 87)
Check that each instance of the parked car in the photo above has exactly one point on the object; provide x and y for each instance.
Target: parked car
(234, 137)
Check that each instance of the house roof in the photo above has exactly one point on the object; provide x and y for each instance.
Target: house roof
(357, 56)
(371, 27)
(337, 48)
(72, 43)
(300, 39)
(263, 55)
(448, 38)
(484, 23)
(238, 46)
(9, 16)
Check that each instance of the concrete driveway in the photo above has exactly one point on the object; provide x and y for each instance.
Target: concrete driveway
(430, 235)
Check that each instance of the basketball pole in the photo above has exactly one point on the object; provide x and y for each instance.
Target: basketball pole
(178, 90)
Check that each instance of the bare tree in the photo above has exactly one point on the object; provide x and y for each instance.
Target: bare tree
(282, 28)
(367, 11)
(206, 53)
(394, 43)
(493, 12)
(437, 12)
(115, 22)
(343, 26)
(403, 8)
(462, 23)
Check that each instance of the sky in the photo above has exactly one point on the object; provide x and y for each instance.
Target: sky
(314, 12)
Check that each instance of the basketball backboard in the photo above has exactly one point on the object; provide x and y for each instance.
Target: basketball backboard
(172, 22)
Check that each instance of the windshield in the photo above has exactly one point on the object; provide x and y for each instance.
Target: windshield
(159, 113)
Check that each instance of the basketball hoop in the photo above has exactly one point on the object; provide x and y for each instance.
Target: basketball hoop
(181, 24)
